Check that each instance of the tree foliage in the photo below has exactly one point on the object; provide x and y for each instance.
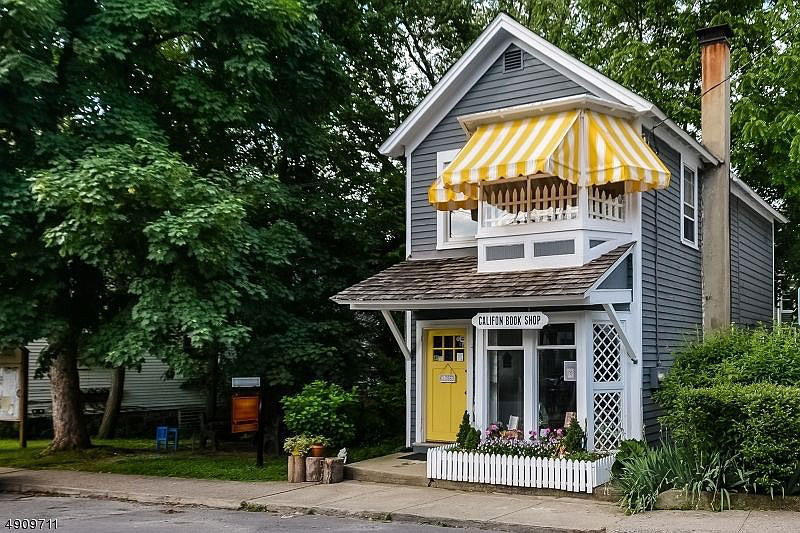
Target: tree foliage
(194, 179)
(166, 167)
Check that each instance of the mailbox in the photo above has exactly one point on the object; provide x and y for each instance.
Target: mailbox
(245, 409)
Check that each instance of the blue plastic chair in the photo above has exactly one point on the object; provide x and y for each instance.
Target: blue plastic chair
(163, 433)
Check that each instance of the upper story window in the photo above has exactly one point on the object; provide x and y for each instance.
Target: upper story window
(457, 228)
(689, 206)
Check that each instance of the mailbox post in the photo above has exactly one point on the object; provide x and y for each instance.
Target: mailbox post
(247, 411)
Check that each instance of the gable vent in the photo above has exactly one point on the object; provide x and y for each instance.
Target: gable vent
(512, 59)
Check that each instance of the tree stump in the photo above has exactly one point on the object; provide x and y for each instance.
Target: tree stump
(334, 470)
(314, 468)
(297, 469)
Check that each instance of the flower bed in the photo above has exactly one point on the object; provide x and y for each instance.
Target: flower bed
(451, 464)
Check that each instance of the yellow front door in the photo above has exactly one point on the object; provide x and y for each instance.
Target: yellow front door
(446, 392)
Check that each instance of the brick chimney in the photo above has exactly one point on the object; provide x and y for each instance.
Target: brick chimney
(715, 57)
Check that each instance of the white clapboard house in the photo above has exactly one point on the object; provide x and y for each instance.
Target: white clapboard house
(146, 391)
(563, 237)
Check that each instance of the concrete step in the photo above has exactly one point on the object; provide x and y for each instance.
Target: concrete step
(423, 447)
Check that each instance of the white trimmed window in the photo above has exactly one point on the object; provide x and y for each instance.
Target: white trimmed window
(454, 229)
(689, 205)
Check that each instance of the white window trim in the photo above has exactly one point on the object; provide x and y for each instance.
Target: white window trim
(443, 240)
(687, 242)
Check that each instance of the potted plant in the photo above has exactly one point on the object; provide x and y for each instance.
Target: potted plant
(297, 447)
(320, 443)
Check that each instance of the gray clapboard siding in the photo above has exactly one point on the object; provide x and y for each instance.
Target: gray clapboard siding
(495, 89)
(751, 266)
(145, 390)
(672, 307)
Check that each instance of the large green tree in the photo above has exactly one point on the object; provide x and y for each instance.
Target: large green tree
(146, 147)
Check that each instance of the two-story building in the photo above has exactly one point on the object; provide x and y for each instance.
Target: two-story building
(563, 236)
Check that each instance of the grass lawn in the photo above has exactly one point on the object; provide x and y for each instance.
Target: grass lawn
(138, 456)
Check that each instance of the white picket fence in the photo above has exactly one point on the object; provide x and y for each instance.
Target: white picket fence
(516, 471)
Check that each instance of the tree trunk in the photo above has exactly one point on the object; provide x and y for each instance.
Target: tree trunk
(69, 425)
(296, 469)
(113, 404)
(212, 368)
(333, 471)
(314, 468)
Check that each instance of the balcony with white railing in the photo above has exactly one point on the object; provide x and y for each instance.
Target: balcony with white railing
(541, 201)
(546, 221)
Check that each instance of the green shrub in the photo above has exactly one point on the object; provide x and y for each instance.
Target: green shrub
(468, 438)
(464, 429)
(697, 364)
(324, 409)
(759, 423)
(773, 356)
(737, 355)
(574, 438)
(737, 393)
(627, 449)
(472, 440)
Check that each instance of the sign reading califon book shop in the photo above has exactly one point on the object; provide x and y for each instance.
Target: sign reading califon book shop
(533, 320)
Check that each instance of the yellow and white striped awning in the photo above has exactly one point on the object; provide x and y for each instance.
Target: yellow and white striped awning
(583, 147)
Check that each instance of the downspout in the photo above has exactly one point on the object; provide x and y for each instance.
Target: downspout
(404, 349)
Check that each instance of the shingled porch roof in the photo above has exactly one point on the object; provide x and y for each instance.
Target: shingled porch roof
(422, 283)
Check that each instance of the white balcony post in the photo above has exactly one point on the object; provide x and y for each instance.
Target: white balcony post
(583, 206)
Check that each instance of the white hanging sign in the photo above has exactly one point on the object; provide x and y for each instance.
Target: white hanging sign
(533, 320)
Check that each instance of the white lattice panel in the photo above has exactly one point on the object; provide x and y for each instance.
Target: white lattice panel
(607, 420)
(606, 353)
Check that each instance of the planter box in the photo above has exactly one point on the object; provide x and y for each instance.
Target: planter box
(516, 471)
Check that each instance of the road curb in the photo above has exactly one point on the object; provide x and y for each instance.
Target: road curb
(290, 509)
(411, 518)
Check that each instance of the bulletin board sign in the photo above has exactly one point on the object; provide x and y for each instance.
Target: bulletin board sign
(245, 408)
(10, 393)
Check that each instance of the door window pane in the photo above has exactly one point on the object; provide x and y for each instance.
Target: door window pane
(505, 385)
(556, 396)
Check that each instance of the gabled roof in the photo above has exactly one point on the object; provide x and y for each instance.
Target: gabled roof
(502, 31)
(456, 282)
(743, 191)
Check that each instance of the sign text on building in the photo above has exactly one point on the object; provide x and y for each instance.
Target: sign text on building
(534, 320)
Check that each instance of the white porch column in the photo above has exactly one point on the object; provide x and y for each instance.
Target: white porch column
(481, 379)
(529, 380)
(583, 357)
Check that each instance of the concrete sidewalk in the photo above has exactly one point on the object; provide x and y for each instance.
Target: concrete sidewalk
(391, 502)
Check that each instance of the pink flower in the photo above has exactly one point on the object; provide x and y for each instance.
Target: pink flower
(559, 432)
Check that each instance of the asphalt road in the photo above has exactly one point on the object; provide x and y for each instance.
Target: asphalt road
(102, 516)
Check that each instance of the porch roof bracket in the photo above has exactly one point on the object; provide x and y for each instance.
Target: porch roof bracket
(398, 337)
(612, 315)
